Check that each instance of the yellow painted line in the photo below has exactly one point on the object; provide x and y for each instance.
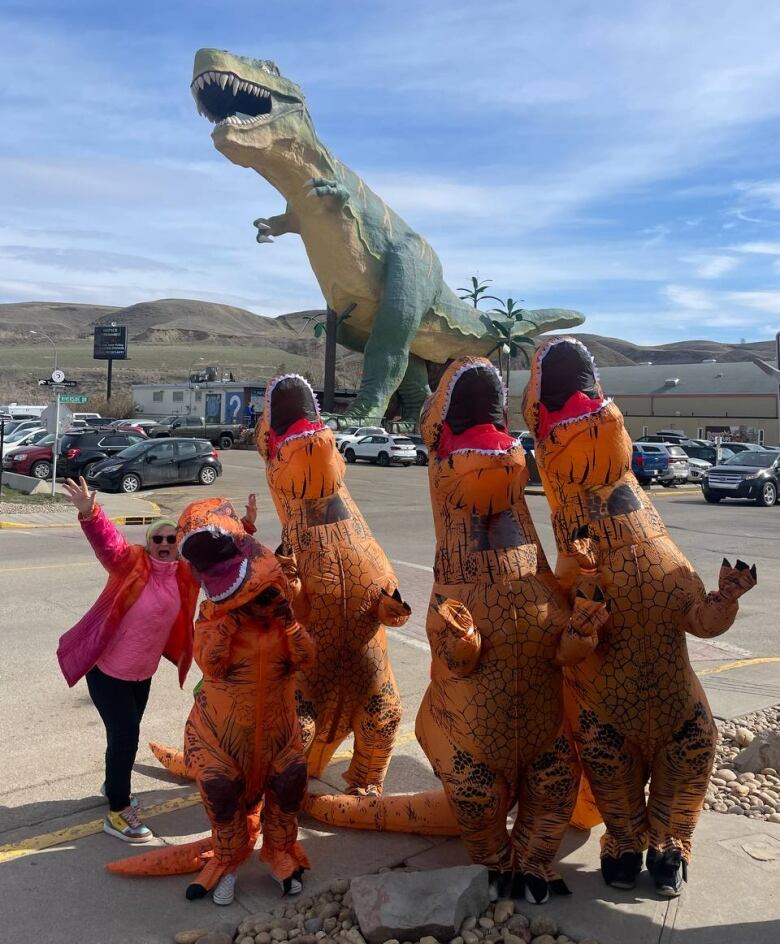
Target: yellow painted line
(740, 664)
(16, 570)
(60, 837)
(405, 737)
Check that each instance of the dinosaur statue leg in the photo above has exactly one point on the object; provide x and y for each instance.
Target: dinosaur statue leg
(681, 772)
(408, 293)
(548, 792)
(414, 389)
(375, 724)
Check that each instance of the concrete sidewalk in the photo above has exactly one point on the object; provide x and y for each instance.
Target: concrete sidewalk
(733, 892)
(121, 509)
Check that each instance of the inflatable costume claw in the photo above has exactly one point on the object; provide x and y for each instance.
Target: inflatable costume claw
(347, 591)
(242, 741)
(638, 712)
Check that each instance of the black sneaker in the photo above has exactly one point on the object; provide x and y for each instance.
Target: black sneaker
(669, 871)
(622, 872)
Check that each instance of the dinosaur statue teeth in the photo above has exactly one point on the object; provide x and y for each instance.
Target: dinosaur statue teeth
(235, 85)
(223, 79)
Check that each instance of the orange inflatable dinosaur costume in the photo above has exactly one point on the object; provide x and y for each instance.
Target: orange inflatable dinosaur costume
(639, 712)
(492, 720)
(348, 591)
(242, 739)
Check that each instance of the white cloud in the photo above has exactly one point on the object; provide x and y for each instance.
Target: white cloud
(761, 301)
(760, 248)
(712, 267)
(686, 297)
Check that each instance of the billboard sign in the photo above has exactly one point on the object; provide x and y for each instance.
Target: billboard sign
(110, 343)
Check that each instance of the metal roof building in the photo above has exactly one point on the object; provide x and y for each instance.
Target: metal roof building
(702, 400)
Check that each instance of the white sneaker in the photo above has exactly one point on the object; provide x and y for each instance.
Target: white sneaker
(225, 891)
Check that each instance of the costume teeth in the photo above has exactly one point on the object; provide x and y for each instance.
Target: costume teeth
(218, 597)
(303, 380)
(461, 371)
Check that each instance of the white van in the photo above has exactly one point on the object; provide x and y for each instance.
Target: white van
(86, 416)
(24, 411)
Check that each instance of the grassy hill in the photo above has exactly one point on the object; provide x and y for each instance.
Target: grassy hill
(170, 336)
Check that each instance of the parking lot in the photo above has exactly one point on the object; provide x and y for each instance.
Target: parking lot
(54, 739)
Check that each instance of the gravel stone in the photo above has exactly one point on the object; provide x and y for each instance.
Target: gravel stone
(542, 924)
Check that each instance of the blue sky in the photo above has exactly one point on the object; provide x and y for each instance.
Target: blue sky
(621, 158)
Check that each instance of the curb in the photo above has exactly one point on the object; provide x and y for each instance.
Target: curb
(117, 519)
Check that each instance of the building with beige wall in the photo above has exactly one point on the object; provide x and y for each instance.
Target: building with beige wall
(703, 400)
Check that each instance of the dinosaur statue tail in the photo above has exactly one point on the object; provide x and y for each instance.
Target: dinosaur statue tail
(170, 860)
(171, 759)
(425, 814)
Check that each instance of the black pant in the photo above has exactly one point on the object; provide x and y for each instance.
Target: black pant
(121, 705)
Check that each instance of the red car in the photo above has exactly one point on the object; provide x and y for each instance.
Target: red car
(31, 460)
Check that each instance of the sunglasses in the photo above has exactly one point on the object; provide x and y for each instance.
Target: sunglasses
(159, 538)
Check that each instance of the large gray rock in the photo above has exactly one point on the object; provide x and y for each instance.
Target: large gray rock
(410, 905)
(763, 751)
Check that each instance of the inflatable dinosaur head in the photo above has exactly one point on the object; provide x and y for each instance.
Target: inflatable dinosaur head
(568, 415)
(301, 458)
(230, 566)
(471, 454)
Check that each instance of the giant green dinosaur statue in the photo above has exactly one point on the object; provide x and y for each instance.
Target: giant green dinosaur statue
(361, 252)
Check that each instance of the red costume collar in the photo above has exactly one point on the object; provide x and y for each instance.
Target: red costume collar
(298, 427)
(485, 436)
(577, 405)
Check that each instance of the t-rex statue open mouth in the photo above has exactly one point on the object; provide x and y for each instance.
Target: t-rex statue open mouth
(226, 97)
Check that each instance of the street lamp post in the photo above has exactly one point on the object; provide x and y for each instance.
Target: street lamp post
(50, 340)
(56, 414)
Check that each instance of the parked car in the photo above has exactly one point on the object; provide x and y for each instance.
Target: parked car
(82, 448)
(353, 434)
(664, 436)
(679, 469)
(89, 418)
(736, 447)
(145, 425)
(383, 450)
(23, 437)
(14, 426)
(151, 462)
(649, 461)
(422, 449)
(190, 426)
(697, 468)
(35, 461)
(754, 475)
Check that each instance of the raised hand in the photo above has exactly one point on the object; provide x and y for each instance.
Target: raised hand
(251, 508)
(80, 496)
(733, 582)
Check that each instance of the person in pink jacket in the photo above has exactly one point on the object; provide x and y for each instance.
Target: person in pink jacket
(145, 612)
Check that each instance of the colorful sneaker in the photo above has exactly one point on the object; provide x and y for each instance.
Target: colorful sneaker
(225, 891)
(133, 798)
(126, 825)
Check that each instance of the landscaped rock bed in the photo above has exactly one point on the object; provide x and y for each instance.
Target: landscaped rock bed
(329, 918)
(746, 776)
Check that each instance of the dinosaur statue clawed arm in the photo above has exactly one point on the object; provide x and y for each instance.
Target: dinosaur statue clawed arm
(714, 613)
(454, 638)
(267, 227)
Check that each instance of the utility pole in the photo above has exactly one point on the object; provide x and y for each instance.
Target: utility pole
(108, 378)
(329, 385)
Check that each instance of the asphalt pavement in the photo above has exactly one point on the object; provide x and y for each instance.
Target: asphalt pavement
(52, 884)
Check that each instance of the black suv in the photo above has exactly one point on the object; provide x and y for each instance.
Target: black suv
(753, 475)
(80, 449)
(157, 462)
